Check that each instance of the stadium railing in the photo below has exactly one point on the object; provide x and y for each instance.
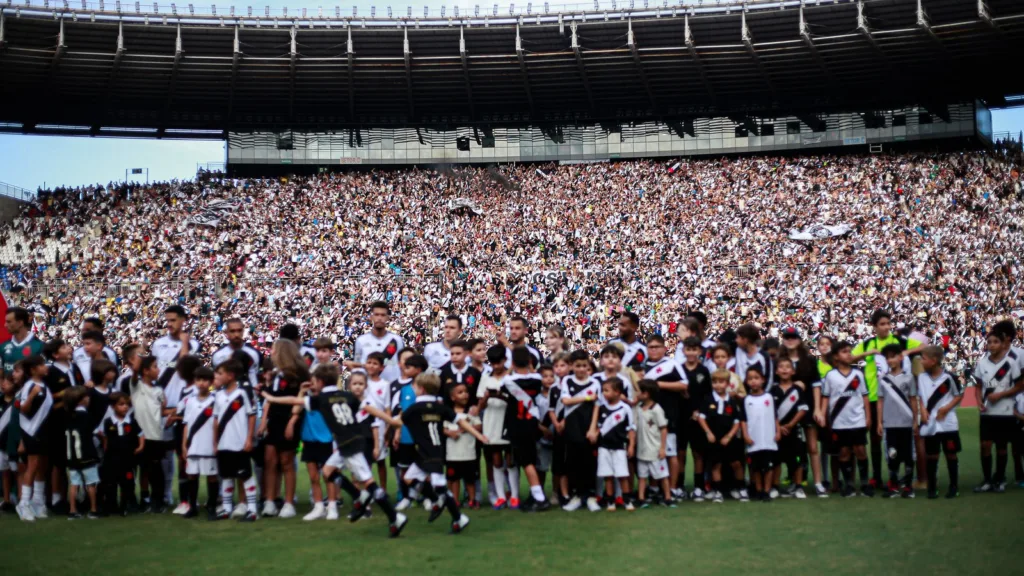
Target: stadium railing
(16, 192)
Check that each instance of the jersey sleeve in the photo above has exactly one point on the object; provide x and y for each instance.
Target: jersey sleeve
(250, 406)
(958, 387)
(881, 387)
(447, 414)
(358, 351)
(659, 417)
(703, 409)
(630, 420)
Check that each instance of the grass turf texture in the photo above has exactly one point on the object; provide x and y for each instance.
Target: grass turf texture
(974, 534)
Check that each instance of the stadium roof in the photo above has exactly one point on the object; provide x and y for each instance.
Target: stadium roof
(92, 71)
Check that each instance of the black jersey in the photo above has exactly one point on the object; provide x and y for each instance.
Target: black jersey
(789, 403)
(424, 420)
(671, 401)
(339, 409)
(450, 376)
(82, 451)
(122, 439)
(99, 403)
(614, 424)
(720, 414)
(522, 414)
(699, 380)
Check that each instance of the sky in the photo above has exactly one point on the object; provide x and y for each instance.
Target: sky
(48, 161)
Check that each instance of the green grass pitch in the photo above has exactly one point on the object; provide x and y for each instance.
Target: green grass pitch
(975, 534)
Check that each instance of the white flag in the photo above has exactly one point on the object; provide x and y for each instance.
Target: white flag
(819, 232)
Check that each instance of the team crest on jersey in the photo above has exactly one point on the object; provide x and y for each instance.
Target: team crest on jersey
(855, 384)
(26, 351)
(792, 398)
(944, 388)
(469, 380)
(728, 409)
(1002, 372)
(127, 427)
(618, 417)
(765, 402)
(640, 356)
(236, 405)
(208, 412)
(391, 348)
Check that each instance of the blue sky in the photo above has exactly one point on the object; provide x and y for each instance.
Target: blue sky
(34, 161)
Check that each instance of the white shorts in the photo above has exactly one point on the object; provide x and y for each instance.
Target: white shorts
(355, 464)
(657, 469)
(201, 466)
(382, 444)
(7, 463)
(612, 463)
(418, 474)
(82, 478)
(670, 445)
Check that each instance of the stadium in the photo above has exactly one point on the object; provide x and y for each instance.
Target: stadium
(791, 165)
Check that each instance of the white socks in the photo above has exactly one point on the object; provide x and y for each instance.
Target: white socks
(227, 489)
(513, 481)
(26, 494)
(250, 494)
(499, 481)
(537, 492)
(39, 493)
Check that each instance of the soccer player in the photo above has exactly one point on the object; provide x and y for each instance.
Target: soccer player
(651, 439)
(791, 408)
(897, 406)
(845, 398)
(424, 419)
(612, 429)
(23, 342)
(234, 331)
(82, 457)
(672, 385)
(339, 410)
(34, 402)
(579, 393)
(123, 442)
(518, 328)
(461, 453)
(761, 432)
(379, 340)
(197, 446)
(939, 393)
(875, 366)
(634, 351)
(1008, 328)
(234, 416)
(440, 353)
(720, 421)
(999, 381)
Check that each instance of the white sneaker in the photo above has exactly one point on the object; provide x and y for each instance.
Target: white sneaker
(592, 504)
(611, 507)
(744, 497)
(39, 511)
(821, 491)
(460, 524)
(317, 512)
(572, 505)
(269, 508)
(403, 504)
(240, 511)
(332, 511)
(25, 512)
(427, 504)
(698, 495)
(735, 494)
(629, 506)
(716, 497)
(799, 494)
(773, 494)
(287, 511)
(181, 509)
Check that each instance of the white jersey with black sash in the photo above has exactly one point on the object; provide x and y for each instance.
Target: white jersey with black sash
(577, 416)
(167, 350)
(635, 352)
(198, 417)
(937, 392)
(614, 422)
(39, 409)
(232, 410)
(252, 360)
(997, 376)
(84, 363)
(759, 359)
(899, 392)
(845, 393)
(788, 403)
(534, 353)
(389, 345)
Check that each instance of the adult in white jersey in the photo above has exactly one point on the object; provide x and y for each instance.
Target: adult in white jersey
(440, 353)
(518, 328)
(94, 346)
(234, 330)
(379, 339)
(998, 379)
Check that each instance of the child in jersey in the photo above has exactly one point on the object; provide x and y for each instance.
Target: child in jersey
(340, 410)
(720, 419)
(761, 432)
(897, 407)
(367, 427)
(10, 437)
(34, 403)
(939, 393)
(460, 451)
(234, 416)
(999, 381)
(123, 444)
(493, 408)
(424, 419)
(612, 429)
(672, 384)
(556, 420)
(651, 437)
(578, 397)
(721, 355)
(791, 408)
(545, 443)
(82, 456)
(844, 395)
(377, 390)
(197, 447)
(403, 395)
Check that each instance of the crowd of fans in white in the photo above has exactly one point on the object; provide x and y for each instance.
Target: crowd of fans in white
(935, 238)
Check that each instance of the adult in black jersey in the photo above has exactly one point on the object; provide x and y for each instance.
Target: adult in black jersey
(636, 351)
(339, 410)
(234, 331)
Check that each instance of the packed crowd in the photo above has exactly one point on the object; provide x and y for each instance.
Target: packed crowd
(934, 237)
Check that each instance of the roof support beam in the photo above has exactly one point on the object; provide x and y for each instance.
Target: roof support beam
(178, 55)
(118, 56)
(61, 48)
(983, 14)
(631, 42)
(408, 71)
(526, 76)
(924, 25)
(236, 58)
(3, 32)
(293, 58)
(351, 57)
(579, 64)
(865, 31)
(465, 73)
(748, 41)
(805, 34)
(692, 47)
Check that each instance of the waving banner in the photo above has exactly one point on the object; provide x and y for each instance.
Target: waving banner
(819, 232)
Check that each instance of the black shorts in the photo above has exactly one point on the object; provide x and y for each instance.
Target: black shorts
(793, 448)
(695, 436)
(524, 453)
(316, 452)
(762, 460)
(155, 450)
(275, 436)
(718, 454)
(829, 441)
(234, 464)
(899, 444)
(467, 471)
(56, 443)
(948, 442)
(37, 445)
(405, 456)
(998, 429)
(850, 437)
(179, 434)
(558, 456)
